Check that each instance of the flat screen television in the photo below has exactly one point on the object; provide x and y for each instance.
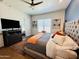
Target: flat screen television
(7, 23)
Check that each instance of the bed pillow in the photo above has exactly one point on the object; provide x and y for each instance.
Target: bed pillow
(70, 44)
(58, 39)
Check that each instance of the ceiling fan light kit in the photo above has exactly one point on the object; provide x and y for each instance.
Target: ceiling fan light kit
(60, 1)
(32, 2)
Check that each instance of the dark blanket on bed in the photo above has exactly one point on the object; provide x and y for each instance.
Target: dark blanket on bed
(44, 39)
(36, 47)
(41, 44)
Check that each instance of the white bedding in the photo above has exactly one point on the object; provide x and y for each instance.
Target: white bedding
(56, 51)
(50, 49)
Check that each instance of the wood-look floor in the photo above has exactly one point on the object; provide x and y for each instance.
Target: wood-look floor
(14, 53)
(10, 53)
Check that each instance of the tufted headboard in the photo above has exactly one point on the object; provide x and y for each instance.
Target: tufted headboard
(72, 29)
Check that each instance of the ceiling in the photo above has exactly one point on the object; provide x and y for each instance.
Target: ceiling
(45, 7)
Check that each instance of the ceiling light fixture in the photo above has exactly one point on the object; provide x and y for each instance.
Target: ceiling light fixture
(60, 1)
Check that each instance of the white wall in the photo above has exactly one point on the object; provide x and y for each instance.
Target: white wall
(11, 13)
(26, 25)
(54, 15)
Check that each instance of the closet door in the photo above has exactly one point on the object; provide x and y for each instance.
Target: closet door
(1, 40)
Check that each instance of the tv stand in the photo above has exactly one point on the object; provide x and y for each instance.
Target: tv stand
(12, 36)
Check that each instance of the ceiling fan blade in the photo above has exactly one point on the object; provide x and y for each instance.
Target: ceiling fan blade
(32, 1)
(26, 2)
(38, 3)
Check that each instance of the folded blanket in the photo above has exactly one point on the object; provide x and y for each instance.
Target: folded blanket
(35, 38)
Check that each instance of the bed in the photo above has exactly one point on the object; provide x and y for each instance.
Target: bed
(37, 48)
(69, 49)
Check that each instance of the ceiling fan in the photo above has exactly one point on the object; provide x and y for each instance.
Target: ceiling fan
(32, 3)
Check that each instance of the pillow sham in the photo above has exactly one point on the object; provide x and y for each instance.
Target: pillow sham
(58, 39)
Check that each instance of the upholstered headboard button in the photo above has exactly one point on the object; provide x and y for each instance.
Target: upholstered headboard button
(72, 29)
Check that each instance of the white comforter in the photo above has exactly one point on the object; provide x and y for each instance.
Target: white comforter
(65, 51)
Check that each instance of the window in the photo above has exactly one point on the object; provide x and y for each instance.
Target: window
(44, 25)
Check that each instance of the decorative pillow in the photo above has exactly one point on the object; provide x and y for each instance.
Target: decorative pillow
(57, 33)
(58, 39)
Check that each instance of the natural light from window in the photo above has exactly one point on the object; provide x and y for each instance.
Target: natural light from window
(44, 25)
